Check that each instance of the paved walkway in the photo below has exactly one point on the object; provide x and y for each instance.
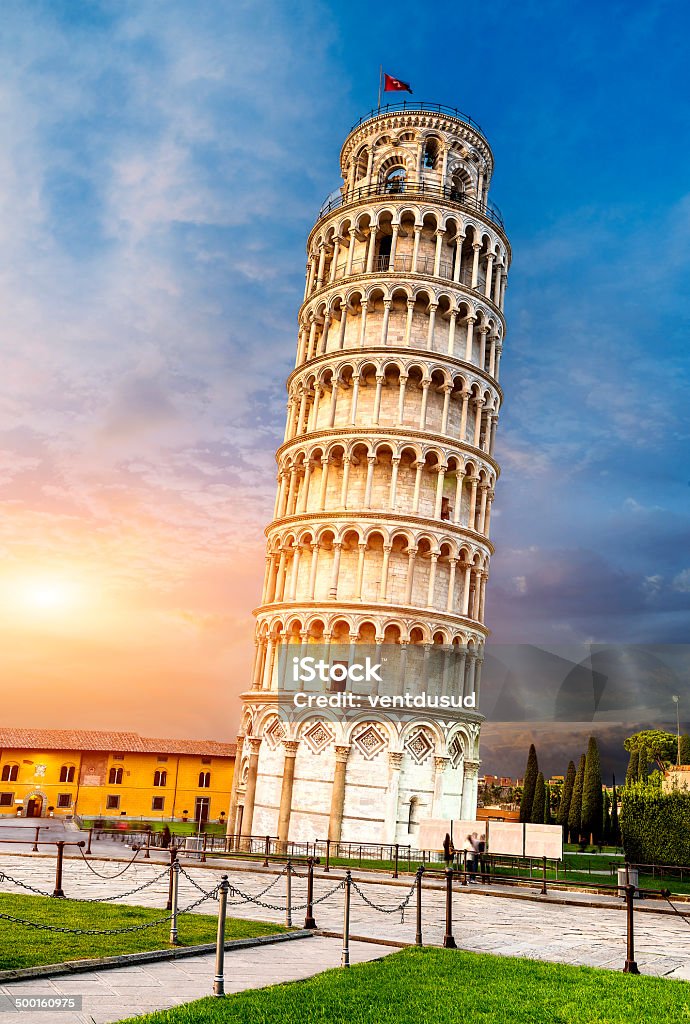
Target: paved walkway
(527, 927)
(130, 991)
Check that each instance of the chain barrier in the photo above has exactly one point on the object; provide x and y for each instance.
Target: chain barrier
(248, 898)
(107, 931)
(387, 910)
(683, 917)
(24, 885)
(235, 902)
(117, 875)
(83, 899)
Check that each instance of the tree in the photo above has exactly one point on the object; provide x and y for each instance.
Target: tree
(685, 749)
(529, 785)
(539, 800)
(592, 799)
(606, 831)
(566, 796)
(575, 812)
(643, 763)
(633, 767)
(615, 826)
(662, 746)
(547, 804)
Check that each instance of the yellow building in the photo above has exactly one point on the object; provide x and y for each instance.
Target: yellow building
(69, 772)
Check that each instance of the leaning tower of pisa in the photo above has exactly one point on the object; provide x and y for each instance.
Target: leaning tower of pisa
(380, 535)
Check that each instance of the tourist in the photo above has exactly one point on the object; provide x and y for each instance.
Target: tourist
(470, 854)
(481, 858)
(165, 838)
(448, 851)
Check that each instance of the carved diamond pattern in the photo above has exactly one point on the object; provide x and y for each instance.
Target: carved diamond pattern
(370, 742)
(274, 734)
(318, 737)
(419, 746)
(456, 752)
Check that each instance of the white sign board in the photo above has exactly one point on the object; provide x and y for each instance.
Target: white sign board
(463, 829)
(506, 837)
(432, 832)
(544, 841)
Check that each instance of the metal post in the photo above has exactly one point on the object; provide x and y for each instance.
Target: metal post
(288, 894)
(219, 979)
(309, 921)
(345, 959)
(173, 858)
(203, 848)
(328, 855)
(448, 940)
(395, 863)
(464, 867)
(418, 935)
(88, 845)
(267, 850)
(34, 848)
(630, 964)
(147, 855)
(175, 889)
(58, 869)
(543, 877)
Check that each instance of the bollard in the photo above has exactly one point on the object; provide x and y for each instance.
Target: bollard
(202, 858)
(175, 889)
(34, 848)
(418, 935)
(328, 855)
(173, 858)
(630, 964)
(309, 921)
(345, 959)
(464, 868)
(58, 869)
(267, 850)
(147, 855)
(395, 866)
(543, 877)
(88, 845)
(448, 940)
(219, 979)
(288, 893)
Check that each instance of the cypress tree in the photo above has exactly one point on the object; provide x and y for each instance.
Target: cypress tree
(615, 827)
(606, 832)
(685, 749)
(529, 785)
(633, 767)
(547, 804)
(539, 800)
(566, 796)
(592, 798)
(575, 812)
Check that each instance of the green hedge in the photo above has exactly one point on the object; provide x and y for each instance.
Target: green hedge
(655, 825)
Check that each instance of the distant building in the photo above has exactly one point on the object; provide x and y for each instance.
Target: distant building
(676, 777)
(65, 772)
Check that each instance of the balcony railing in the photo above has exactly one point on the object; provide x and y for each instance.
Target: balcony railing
(403, 265)
(410, 106)
(396, 188)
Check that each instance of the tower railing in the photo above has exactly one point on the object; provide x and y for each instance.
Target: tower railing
(410, 106)
(411, 189)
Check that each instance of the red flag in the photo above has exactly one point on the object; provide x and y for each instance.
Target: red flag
(395, 84)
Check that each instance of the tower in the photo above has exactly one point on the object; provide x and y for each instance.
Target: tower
(380, 536)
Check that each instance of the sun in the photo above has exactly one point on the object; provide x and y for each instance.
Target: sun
(49, 595)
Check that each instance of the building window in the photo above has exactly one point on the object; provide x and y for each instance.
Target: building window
(10, 772)
(115, 777)
(6, 799)
(67, 773)
(118, 757)
(160, 778)
(412, 814)
(206, 760)
(64, 799)
(112, 803)
(158, 803)
(161, 759)
(204, 780)
(395, 180)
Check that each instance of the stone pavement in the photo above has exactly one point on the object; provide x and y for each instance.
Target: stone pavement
(527, 927)
(112, 995)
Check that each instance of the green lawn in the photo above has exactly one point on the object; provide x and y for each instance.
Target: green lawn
(448, 987)
(21, 946)
(178, 828)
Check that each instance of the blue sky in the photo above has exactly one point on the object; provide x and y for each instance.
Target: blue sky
(162, 167)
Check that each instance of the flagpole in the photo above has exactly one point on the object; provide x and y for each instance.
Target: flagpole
(380, 81)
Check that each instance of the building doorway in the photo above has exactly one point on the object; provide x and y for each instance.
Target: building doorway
(34, 807)
(201, 811)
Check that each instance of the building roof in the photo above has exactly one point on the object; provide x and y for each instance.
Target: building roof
(116, 742)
